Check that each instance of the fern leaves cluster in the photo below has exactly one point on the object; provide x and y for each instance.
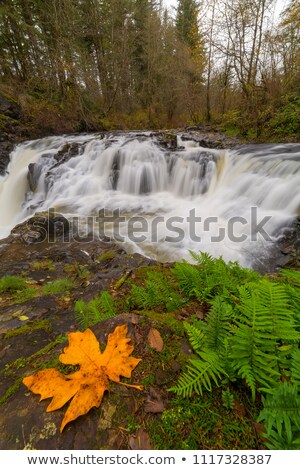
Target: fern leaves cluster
(211, 277)
(98, 309)
(251, 335)
(158, 292)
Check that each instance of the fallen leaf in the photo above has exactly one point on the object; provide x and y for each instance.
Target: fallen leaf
(141, 441)
(87, 385)
(155, 340)
(154, 402)
(23, 318)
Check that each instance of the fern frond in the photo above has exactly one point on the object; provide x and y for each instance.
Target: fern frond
(276, 442)
(98, 309)
(217, 325)
(291, 276)
(295, 368)
(265, 319)
(202, 258)
(275, 302)
(256, 367)
(82, 315)
(145, 297)
(282, 410)
(228, 399)
(106, 306)
(196, 336)
(200, 374)
(188, 277)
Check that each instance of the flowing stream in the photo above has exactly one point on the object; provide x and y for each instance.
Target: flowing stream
(155, 201)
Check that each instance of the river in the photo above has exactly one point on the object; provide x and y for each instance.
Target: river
(159, 202)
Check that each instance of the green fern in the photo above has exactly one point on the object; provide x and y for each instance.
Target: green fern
(211, 277)
(200, 374)
(217, 325)
(195, 336)
(98, 309)
(158, 292)
(291, 276)
(295, 368)
(188, 277)
(253, 342)
(280, 317)
(281, 412)
(228, 399)
(82, 314)
(253, 345)
(209, 344)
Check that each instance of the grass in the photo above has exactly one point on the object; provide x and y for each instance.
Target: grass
(44, 265)
(12, 284)
(59, 286)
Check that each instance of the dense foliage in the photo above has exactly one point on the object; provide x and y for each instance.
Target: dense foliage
(92, 64)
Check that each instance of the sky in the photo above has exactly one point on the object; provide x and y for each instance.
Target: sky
(280, 4)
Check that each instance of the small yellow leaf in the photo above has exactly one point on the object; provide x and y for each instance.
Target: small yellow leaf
(23, 318)
(87, 385)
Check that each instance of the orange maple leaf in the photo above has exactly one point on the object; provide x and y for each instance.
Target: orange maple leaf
(88, 384)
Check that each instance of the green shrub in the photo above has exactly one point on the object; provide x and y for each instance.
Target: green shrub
(286, 120)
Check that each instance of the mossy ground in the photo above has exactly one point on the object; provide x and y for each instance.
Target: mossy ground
(185, 423)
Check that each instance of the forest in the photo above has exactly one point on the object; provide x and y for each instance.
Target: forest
(82, 65)
(150, 228)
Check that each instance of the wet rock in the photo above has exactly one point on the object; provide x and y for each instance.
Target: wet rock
(9, 107)
(68, 151)
(6, 148)
(25, 424)
(41, 227)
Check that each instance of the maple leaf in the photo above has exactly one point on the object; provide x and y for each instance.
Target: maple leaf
(87, 385)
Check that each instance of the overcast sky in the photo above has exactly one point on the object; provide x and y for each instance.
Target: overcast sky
(281, 4)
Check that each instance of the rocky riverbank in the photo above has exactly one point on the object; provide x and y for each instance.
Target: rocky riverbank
(33, 332)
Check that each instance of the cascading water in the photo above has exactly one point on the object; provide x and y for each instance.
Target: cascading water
(158, 202)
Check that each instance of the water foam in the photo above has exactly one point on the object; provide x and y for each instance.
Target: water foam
(137, 176)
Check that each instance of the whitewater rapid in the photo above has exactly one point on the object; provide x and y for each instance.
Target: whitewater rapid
(157, 202)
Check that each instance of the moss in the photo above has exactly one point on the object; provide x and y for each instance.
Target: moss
(77, 270)
(106, 257)
(21, 296)
(141, 273)
(202, 423)
(10, 391)
(169, 136)
(4, 120)
(29, 327)
(60, 339)
(168, 319)
(122, 280)
(45, 265)
(32, 360)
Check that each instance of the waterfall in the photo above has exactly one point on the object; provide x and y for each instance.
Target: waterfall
(190, 198)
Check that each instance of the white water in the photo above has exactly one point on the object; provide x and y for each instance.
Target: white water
(132, 174)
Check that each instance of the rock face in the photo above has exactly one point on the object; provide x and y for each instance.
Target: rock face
(25, 424)
(33, 333)
(10, 113)
(9, 107)
(5, 149)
